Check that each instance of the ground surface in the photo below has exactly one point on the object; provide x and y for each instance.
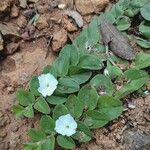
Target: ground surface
(129, 132)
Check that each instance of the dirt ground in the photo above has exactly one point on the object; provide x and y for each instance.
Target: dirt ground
(24, 57)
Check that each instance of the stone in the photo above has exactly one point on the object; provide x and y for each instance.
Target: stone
(4, 5)
(42, 22)
(59, 40)
(1, 42)
(134, 140)
(90, 6)
(14, 11)
(69, 26)
(11, 48)
(21, 21)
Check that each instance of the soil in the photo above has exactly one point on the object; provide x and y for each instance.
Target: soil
(24, 57)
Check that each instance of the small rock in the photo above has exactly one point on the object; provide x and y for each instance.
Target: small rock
(25, 35)
(14, 11)
(59, 40)
(4, 145)
(136, 140)
(68, 3)
(69, 26)
(62, 6)
(21, 21)
(42, 22)
(90, 6)
(1, 42)
(4, 5)
(11, 48)
(3, 133)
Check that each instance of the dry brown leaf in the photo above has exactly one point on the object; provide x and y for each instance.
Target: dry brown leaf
(8, 30)
(118, 44)
(76, 16)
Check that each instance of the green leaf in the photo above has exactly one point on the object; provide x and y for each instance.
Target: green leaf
(81, 77)
(117, 11)
(145, 10)
(113, 71)
(28, 111)
(61, 65)
(75, 106)
(123, 23)
(132, 85)
(95, 119)
(133, 74)
(18, 110)
(142, 60)
(110, 106)
(67, 85)
(143, 43)
(65, 142)
(55, 100)
(88, 95)
(90, 62)
(34, 85)
(81, 137)
(25, 97)
(49, 144)
(144, 29)
(82, 127)
(47, 124)
(36, 135)
(51, 70)
(42, 106)
(102, 83)
(71, 51)
(59, 110)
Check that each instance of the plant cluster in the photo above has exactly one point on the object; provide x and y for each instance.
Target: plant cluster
(79, 91)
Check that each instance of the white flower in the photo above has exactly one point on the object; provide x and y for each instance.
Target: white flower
(66, 125)
(47, 84)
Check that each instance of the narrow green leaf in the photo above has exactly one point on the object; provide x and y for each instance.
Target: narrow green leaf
(25, 97)
(42, 106)
(65, 142)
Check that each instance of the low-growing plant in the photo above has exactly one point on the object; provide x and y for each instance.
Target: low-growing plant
(77, 92)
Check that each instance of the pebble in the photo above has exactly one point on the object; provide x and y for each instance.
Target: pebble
(59, 40)
(86, 7)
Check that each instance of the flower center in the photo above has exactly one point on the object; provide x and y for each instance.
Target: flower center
(67, 126)
(47, 85)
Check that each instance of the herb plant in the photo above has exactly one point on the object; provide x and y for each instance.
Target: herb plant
(77, 92)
